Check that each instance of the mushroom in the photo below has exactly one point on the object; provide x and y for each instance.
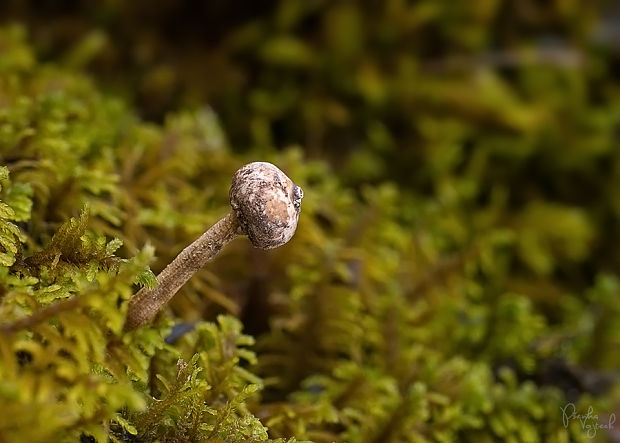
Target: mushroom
(265, 207)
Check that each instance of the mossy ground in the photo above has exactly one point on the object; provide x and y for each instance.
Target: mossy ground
(454, 276)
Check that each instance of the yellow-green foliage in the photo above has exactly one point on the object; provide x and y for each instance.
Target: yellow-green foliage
(449, 289)
(68, 371)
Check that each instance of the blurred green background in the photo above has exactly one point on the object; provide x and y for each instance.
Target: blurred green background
(456, 272)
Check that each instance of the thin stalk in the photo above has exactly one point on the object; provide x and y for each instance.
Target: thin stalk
(148, 302)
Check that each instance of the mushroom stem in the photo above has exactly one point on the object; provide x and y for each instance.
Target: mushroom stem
(148, 302)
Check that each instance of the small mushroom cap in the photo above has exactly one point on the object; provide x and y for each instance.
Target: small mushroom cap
(267, 204)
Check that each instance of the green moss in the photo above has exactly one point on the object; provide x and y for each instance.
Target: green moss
(450, 307)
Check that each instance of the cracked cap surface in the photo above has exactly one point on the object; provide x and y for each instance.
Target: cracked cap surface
(267, 204)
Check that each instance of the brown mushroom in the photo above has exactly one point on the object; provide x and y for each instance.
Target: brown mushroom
(266, 206)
